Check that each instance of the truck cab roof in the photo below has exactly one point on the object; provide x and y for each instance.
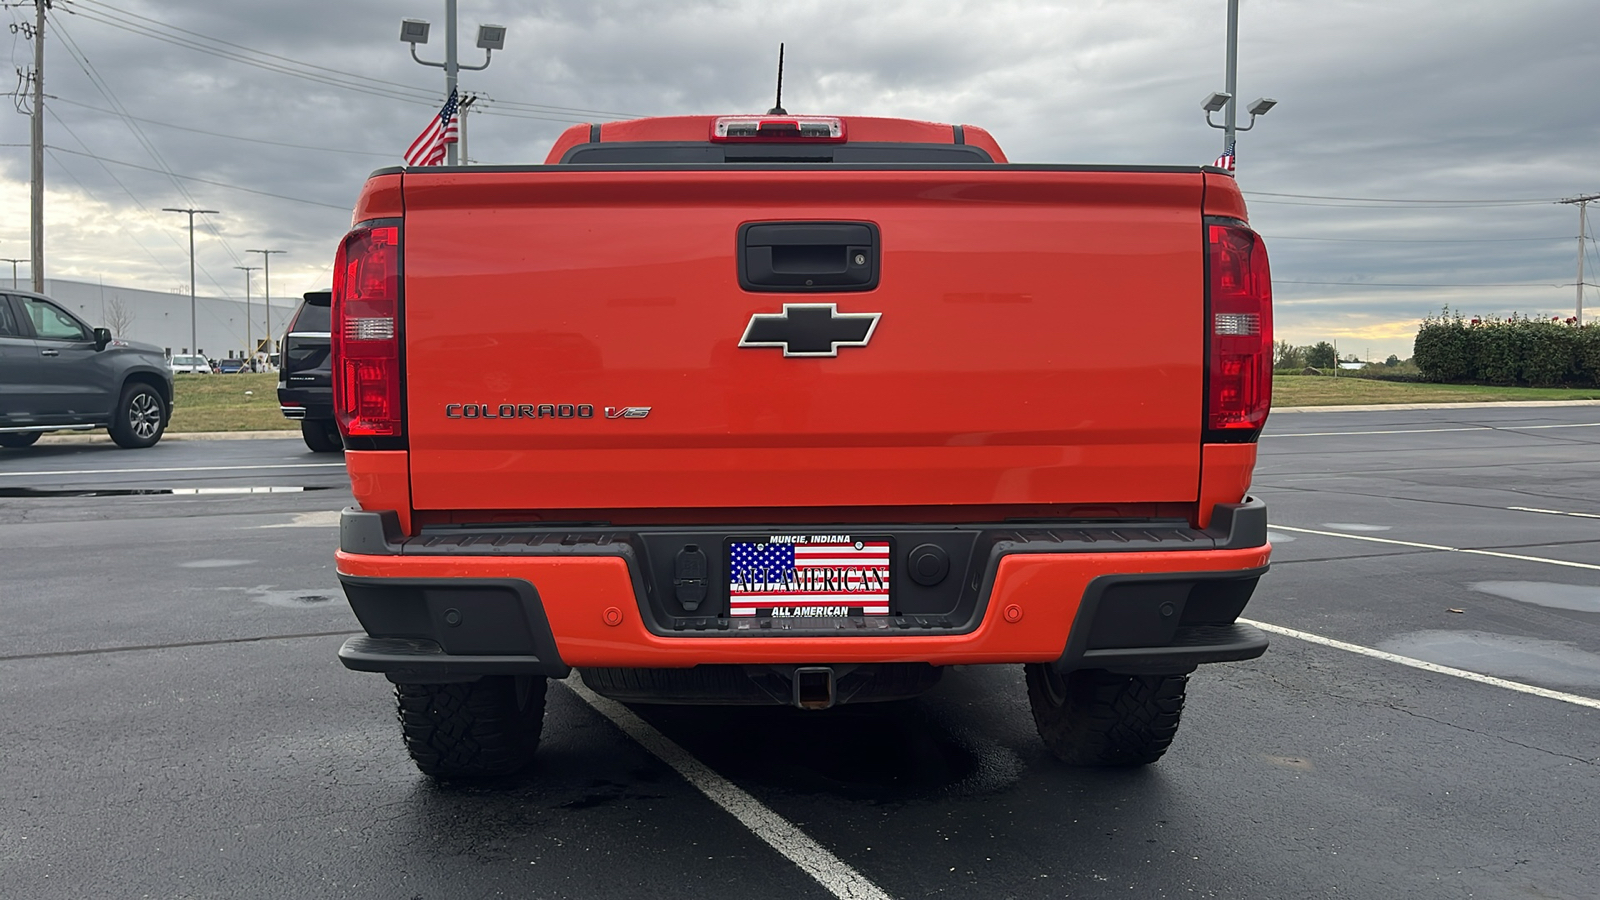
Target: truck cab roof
(701, 140)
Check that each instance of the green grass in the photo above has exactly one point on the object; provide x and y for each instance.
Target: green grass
(1325, 390)
(219, 403)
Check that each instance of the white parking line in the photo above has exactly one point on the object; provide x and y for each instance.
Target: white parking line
(1496, 553)
(337, 465)
(833, 873)
(1555, 512)
(1574, 699)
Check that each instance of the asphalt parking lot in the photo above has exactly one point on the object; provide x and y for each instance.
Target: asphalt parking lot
(177, 724)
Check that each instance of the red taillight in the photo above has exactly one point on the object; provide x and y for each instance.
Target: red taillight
(1240, 376)
(366, 333)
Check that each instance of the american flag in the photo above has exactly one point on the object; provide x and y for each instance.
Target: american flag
(1225, 161)
(831, 576)
(428, 148)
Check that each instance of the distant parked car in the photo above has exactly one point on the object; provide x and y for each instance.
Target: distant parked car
(59, 374)
(305, 379)
(230, 366)
(190, 365)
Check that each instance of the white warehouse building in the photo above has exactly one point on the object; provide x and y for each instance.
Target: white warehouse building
(163, 318)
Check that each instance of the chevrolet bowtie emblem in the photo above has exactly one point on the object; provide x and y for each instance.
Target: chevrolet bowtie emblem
(810, 329)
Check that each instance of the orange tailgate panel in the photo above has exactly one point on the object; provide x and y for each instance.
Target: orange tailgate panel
(1040, 341)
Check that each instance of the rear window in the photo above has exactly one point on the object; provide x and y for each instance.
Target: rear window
(313, 317)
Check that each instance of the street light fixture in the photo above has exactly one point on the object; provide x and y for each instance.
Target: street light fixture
(414, 31)
(1260, 106)
(490, 39)
(1216, 101)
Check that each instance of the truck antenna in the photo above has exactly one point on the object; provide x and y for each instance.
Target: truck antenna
(777, 105)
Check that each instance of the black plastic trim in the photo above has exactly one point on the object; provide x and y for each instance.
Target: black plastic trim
(416, 661)
(1191, 642)
(971, 581)
(959, 132)
(680, 153)
(594, 132)
(490, 620)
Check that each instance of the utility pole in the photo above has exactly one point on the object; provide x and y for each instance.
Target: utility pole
(249, 336)
(13, 269)
(266, 288)
(194, 340)
(1582, 203)
(490, 39)
(462, 107)
(36, 148)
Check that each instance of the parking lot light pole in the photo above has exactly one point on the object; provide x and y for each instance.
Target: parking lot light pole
(266, 291)
(490, 39)
(1228, 97)
(249, 335)
(194, 341)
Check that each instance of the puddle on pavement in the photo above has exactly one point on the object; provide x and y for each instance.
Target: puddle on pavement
(214, 563)
(1517, 658)
(1354, 526)
(1577, 597)
(294, 599)
(1278, 537)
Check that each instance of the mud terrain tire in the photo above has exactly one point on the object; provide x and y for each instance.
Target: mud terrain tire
(1097, 718)
(478, 729)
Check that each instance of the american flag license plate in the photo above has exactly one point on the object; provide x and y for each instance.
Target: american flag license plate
(808, 576)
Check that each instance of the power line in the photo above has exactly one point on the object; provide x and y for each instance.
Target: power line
(1417, 205)
(149, 146)
(233, 137)
(107, 14)
(222, 184)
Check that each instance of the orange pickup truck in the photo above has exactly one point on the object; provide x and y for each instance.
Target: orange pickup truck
(798, 410)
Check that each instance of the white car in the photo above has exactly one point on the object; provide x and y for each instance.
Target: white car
(190, 364)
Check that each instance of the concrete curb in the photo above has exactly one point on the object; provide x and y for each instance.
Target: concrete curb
(1380, 407)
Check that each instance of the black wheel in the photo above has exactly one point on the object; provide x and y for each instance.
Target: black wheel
(475, 729)
(320, 436)
(18, 440)
(140, 417)
(1097, 718)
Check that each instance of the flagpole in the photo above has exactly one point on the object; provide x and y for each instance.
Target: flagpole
(1232, 77)
(450, 67)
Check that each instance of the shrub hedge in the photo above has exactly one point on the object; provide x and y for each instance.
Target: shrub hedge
(1518, 350)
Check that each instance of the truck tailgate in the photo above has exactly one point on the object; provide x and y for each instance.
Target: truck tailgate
(1040, 341)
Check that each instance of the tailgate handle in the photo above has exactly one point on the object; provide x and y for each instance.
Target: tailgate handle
(808, 256)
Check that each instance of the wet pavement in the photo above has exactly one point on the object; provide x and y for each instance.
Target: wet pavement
(178, 725)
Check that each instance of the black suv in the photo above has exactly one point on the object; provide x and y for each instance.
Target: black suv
(305, 379)
(59, 374)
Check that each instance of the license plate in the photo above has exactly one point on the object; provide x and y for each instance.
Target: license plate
(808, 576)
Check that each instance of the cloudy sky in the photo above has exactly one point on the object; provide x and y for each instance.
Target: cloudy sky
(1413, 160)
